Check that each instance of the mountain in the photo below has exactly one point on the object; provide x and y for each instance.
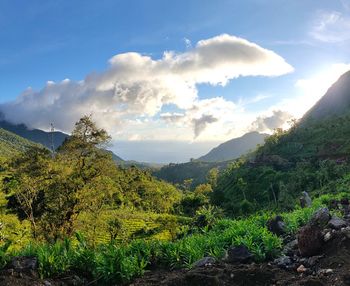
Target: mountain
(11, 144)
(35, 135)
(336, 101)
(42, 137)
(234, 148)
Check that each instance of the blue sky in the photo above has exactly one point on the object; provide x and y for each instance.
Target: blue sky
(49, 41)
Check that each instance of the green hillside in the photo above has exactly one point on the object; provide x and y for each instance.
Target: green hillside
(234, 148)
(312, 156)
(11, 144)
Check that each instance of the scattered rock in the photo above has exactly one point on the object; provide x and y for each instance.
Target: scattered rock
(283, 262)
(320, 218)
(239, 254)
(337, 223)
(206, 261)
(276, 225)
(310, 240)
(301, 269)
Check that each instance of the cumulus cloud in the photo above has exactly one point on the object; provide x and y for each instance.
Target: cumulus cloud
(331, 27)
(136, 86)
(269, 123)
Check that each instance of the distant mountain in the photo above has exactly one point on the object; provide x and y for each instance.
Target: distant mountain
(11, 144)
(196, 171)
(35, 135)
(42, 137)
(234, 148)
(336, 101)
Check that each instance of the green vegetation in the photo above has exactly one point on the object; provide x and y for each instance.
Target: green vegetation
(77, 211)
(12, 144)
(309, 157)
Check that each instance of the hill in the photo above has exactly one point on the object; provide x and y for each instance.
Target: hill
(234, 148)
(35, 135)
(313, 156)
(336, 101)
(42, 137)
(196, 171)
(11, 144)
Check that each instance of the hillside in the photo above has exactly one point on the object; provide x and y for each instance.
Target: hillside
(336, 101)
(196, 171)
(11, 144)
(42, 137)
(234, 148)
(35, 135)
(312, 156)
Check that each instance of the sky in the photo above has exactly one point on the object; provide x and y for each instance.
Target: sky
(169, 80)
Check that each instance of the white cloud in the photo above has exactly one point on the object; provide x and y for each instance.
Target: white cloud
(128, 95)
(268, 123)
(331, 27)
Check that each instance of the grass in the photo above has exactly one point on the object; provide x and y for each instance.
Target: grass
(110, 263)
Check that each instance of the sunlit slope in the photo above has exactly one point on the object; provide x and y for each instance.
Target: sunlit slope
(323, 133)
(11, 144)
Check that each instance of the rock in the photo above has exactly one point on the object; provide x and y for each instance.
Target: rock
(310, 240)
(24, 264)
(206, 261)
(301, 269)
(239, 254)
(325, 272)
(327, 237)
(283, 262)
(345, 205)
(337, 223)
(320, 218)
(307, 199)
(311, 261)
(276, 225)
(290, 247)
(346, 231)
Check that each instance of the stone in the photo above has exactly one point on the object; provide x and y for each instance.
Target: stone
(283, 262)
(345, 205)
(310, 240)
(276, 225)
(337, 223)
(321, 217)
(325, 272)
(239, 254)
(327, 237)
(307, 198)
(23, 264)
(346, 231)
(301, 269)
(311, 261)
(205, 261)
(290, 247)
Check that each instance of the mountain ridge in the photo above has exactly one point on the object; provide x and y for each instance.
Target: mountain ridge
(234, 148)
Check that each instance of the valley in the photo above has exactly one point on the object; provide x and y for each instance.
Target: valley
(84, 217)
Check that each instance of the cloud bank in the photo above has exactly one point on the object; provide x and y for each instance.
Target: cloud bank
(134, 88)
